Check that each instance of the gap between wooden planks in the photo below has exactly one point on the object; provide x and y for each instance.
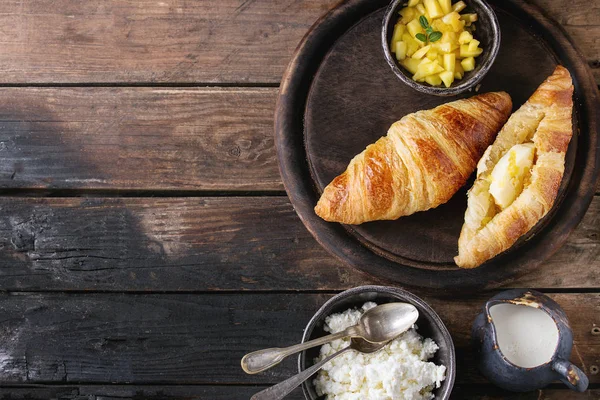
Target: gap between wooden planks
(206, 244)
(224, 41)
(200, 339)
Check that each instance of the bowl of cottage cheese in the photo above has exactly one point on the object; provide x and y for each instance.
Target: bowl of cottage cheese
(418, 365)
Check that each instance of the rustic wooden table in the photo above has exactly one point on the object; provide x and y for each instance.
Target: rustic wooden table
(147, 242)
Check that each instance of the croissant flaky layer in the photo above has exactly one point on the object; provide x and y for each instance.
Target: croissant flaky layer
(545, 121)
(424, 159)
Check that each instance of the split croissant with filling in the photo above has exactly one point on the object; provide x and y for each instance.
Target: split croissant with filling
(519, 175)
(424, 159)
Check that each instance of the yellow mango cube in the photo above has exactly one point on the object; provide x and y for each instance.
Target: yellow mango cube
(421, 52)
(440, 59)
(465, 37)
(473, 45)
(459, 6)
(453, 19)
(399, 30)
(410, 64)
(414, 27)
(412, 3)
(449, 62)
(465, 52)
(426, 69)
(468, 64)
(434, 80)
(401, 48)
(447, 77)
(408, 14)
(469, 18)
(446, 5)
(459, 72)
(421, 9)
(433, 8)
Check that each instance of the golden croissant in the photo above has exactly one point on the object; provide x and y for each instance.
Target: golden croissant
(519, 176)
(424, 159)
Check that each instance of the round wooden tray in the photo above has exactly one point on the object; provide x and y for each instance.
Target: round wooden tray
(338, 95)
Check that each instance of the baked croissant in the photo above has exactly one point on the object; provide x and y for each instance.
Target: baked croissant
(424, 159)
(519, 175)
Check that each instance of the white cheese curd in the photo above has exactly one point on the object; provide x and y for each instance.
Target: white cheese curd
(398, 371)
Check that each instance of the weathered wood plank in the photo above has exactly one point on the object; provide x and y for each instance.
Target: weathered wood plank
(180, 41)
(183, 392)
(124, 138)
(166, 41)
(193, 139)
(199, 339)
(205, 244)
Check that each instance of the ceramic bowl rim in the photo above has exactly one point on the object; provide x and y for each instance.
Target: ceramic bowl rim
(447, 384)
(465, 84)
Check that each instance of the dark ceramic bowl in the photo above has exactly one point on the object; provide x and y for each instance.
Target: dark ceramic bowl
(488, 33)
(429, 326)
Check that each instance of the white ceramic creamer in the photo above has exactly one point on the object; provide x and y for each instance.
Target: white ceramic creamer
(527, 336)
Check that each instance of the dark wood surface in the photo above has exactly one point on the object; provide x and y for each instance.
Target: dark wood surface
(146, 242)
(339, 95)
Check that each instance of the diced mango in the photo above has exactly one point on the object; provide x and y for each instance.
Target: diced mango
(421, 52)
(446, 5)
(399, 30)
(411, 47)
(453, 19)
(408, 14)
(439, 25)
(446, 59)
(401, 50)
(426, 69)
(447, 77)
(473, 45)
(414, 27)
(469, 18)
(434, 80)
(459, 6)
(468, 64)
(433, 8)
(465, 37)
(411, 64)
(465, 52)
(445, 47)
(449, 62)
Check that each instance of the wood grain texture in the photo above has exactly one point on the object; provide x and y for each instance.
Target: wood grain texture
(243, 392)
(204, 139)
(205, 244)
(138, 138)
(200, 339)
(229, 41)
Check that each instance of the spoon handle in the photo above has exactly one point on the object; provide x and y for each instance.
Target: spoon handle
(262, 360)
(282, 389)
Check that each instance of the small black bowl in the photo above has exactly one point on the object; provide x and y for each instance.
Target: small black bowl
(429, 326)
(488, 33)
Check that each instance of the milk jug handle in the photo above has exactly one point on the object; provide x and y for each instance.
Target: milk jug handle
(570, 375)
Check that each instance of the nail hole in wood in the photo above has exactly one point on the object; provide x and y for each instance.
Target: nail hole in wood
(596, 330)
(594, 369)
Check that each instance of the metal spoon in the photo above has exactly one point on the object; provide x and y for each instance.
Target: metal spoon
(377, 325)
(282, 389)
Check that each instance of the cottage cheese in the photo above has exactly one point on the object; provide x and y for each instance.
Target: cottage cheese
(398, 371)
